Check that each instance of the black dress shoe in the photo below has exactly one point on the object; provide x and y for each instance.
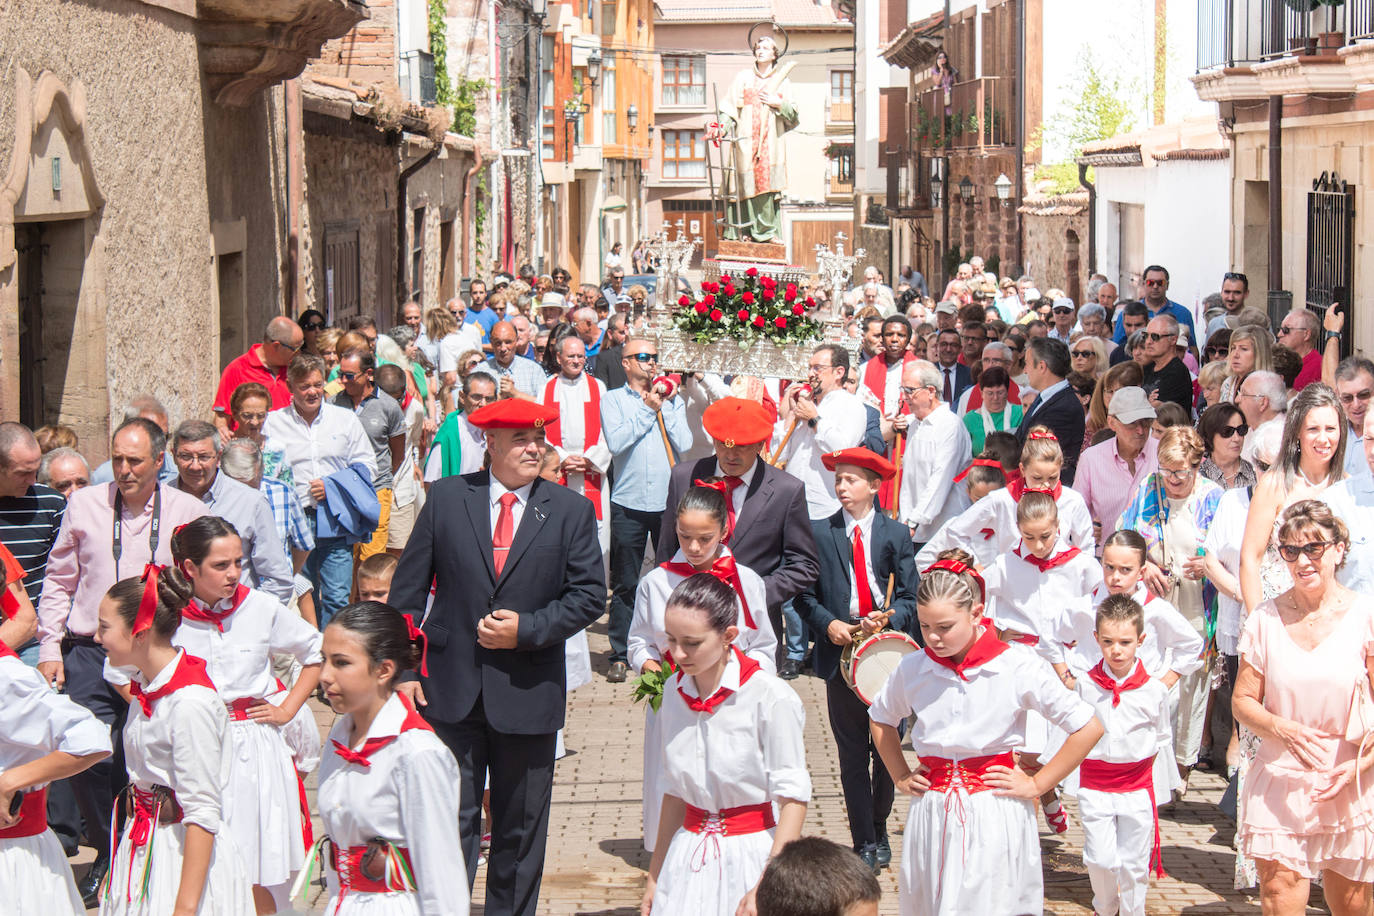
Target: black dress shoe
(89, 885)
(617, 673)
(883, 852)
(870, 856)
(790, 669)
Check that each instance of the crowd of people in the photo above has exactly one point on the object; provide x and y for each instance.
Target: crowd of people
(1108, 550)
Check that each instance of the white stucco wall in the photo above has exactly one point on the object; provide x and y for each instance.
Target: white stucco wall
(872, 73)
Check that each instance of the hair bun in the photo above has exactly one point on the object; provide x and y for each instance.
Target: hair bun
(173, 591)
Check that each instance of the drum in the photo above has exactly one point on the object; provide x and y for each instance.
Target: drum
(867, 663)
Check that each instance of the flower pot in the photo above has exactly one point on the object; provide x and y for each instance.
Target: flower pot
(1302, 47)
(1328, 43)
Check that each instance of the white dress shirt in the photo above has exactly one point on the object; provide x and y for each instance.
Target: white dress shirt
(332, 442)
(865, 527)
(938, 448)
(841, 423)
(497, 489)
(737, 496)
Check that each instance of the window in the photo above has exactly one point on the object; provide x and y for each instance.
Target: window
(684, 154)
(417, 255)
(842, 95)
(684, 80)
(547, 123)
(607, 18)
(608, 101)
(842, 170)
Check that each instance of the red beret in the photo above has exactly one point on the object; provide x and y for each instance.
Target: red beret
(737, 421)
(860, 457)
(513, 413)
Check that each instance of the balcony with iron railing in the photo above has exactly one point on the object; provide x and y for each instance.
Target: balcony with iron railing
(974, 114)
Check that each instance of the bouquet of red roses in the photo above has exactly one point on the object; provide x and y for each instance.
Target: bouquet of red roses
(749, 309)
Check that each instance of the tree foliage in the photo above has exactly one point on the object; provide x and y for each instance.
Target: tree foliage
(1099, 108)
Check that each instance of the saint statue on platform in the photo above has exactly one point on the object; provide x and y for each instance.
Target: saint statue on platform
(756, 113)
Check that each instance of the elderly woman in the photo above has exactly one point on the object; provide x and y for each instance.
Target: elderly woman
(1251, 349)
(639, 298)
(327, 342)
(1308, 803)
(1223, 430)
(1088, 354)
(995, 414)
(1173, 510)
(248, 405)
(1122, 375)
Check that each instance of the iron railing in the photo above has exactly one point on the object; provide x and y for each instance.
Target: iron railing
(417, 77)
(1228, 33)
(1237, 32)
(973, 114)
(1359, 19)
(1330, 249)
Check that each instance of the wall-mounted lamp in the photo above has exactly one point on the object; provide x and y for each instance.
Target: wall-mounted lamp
(1003, 187)
(594, 66)
(966, 188)
(632, 117)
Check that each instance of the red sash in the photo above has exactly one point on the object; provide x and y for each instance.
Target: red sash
(967, 774)
(6, 651)
(730, 821)
(33, 816)
(238, 709)
(875, 379)
(591, 434)
(348, 865)
(1102, 776)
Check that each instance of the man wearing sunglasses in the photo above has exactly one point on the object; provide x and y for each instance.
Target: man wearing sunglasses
(1352, 500)
(264, 363)
(1299, 332)
(1155, 281)
(1062, 315)
(1166, 377)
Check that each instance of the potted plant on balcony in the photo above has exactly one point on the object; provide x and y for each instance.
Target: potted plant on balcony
(1331, 40)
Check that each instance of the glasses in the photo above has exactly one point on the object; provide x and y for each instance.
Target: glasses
(287, 347)
(1179, 475)
(1063, 310)
(1313, 550)
(1156, 282)
(643, 357)
(244, 417)
(911, 392)
(349, 376)
(193, 459)
(1361, 396)
(1082, 354)
(481, 398)
(313, 326)
(1286, 329)
(1216, 351)
(1232, 275)
(1156, 338)
(1230, 432)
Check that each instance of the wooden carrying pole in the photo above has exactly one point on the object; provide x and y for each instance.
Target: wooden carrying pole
(897, 453)
(667, 444)
(783, 444)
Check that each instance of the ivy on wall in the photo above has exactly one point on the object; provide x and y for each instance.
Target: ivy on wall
(438, 49)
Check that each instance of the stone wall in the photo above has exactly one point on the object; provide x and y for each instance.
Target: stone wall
(367, 54)
(1056, 242)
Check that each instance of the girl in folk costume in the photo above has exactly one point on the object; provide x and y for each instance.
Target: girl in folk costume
(173, 856)
(388, 786)
(701, 526)
(979, 479)
(1025, 590)
(733, 751)
(971, 693)
(987, 529)
(1116, 796)
(237, 630)
(43, 736)
(583, 456)
(882, 377)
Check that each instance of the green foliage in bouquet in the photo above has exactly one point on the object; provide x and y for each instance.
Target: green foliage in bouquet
(649, 685)
(748, 309)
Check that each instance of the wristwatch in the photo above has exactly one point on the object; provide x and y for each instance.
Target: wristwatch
(1331, 334)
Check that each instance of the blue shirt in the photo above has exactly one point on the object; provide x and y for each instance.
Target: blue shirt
(1352, 501)
(486, 318)
(640, 460)
(1184, 317)
(525, 374)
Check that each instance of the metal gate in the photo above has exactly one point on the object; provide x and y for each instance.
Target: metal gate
(1330, 250)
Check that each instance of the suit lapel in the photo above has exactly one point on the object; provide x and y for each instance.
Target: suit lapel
(533, 518)
(844, 551)
(755, 499)
(478, 502)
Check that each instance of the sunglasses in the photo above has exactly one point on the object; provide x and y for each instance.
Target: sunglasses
(313, 326)
(1361, 396)
(1156, 338)
(1217, 351)
(1082, 354)
(1063, 310)
(1313, 550)
(1232, 275)
(349, 376)
(288, 347)
(643, 357)
(1230, 432)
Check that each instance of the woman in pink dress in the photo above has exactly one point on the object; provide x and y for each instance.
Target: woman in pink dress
(1308, 806)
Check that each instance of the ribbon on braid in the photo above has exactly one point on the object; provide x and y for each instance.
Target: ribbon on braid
(1043, 434)
(979, 463)
(147, 605)
(415, 634)
(958, 568)
(718, 485)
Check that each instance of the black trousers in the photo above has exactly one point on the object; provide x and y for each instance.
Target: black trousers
(97, 787)
(868, 789)
(520, 768)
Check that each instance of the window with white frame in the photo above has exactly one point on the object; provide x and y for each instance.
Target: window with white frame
(684, 154)
(684, 80)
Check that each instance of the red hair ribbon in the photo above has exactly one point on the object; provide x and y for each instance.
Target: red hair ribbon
(177, 529)
(959, 569)
(1043, 434)
(147, 605)
(718, 485)
(979, 463)
(415, 633)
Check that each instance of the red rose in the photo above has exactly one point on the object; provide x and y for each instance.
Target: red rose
(780, 321)
(743, 315)
(716, 315)
(684, 301)
(729, 290)
(752, 272)
(748, 297)
(758, 319)
(710, 299)
(769, 295)
(798, 309)
(701, 308)
(769, 283)
(791, 291)
(810, 303)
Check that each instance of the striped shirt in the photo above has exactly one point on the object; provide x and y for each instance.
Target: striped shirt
(28, 527)
(287, 516)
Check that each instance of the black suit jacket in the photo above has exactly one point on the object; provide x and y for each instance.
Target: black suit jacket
(963, 380)
(772, 530)
(608, 367)
(827, 599)
(552, 578)
(1063, 414)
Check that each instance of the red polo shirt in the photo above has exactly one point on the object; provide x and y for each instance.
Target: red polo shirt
(1311, 370)
(250, 368)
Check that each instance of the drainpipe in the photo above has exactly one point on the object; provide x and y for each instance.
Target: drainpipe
(1275, 193)
(467, 209)
(1020, 139)
(402, 249)
(1092, 216)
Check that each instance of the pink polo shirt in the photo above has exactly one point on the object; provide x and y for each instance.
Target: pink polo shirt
(1106, 483)
(81, 566)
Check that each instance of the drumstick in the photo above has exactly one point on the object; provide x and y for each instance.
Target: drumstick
(887, 602)
(783, 444)
(882, 616)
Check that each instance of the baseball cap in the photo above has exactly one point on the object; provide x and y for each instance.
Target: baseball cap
(947, 308)
(1130, 404)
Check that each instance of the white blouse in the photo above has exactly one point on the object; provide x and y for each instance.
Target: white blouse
(1024, 599)
(184, 745)
(648, 640)
(239, 660)
(1171, 643)
(749, 751)
(988, 529)
(36, 721)
(408, 795)
(981, 716)
(1138, 728)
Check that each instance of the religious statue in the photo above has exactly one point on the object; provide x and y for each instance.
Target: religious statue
(755, 114)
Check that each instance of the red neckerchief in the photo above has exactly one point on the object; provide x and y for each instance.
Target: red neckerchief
(1104, 680)
(876, 381)
(362, 756)
(591, 434)
(980, 463)
(723, 569)
(194, 611)
(190, 672)
(6, 651)
(747, 669)
(1045, 565)
(1018, 489)
(984, 649)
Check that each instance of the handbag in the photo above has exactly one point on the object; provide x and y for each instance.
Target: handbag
(1359, 725)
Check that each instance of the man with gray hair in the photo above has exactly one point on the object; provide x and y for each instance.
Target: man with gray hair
(1300, 332)
(1166, 377)
(148, 408)
(264, 363)
(196, 448)
(1263, 398)
(65, 470)
(938, 448)
(1354, 385)
(1092, 320)
(30, 517)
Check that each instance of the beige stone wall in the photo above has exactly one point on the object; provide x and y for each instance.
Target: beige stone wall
(1048, 252)
(367, 54)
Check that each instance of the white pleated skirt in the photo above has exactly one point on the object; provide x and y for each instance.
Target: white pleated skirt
(262, 804)
(228, 891)
(35, 877)
(708, 875)
(966, 854)
(401, 903)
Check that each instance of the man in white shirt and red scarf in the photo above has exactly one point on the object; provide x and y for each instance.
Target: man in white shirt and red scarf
(582, 452)
(882, 379)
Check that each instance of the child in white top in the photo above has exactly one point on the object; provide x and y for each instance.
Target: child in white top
(1116, 797)
(971, 693)
(43, 736)
(701, 525)
(733, 754)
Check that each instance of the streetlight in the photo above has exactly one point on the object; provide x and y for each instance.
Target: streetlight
(632, 117)
(594, 65)
(1003, 186)
(937, 192)
(966, 188)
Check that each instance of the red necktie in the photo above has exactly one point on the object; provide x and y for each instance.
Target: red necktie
(861, 574)
(504, 533)
(370, 747)
(730, 484)
(949, 385)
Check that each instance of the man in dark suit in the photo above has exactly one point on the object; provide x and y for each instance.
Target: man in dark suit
(772, 530)
(516, 568)
(1056, 406)
(954, 375)
(868, 574)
